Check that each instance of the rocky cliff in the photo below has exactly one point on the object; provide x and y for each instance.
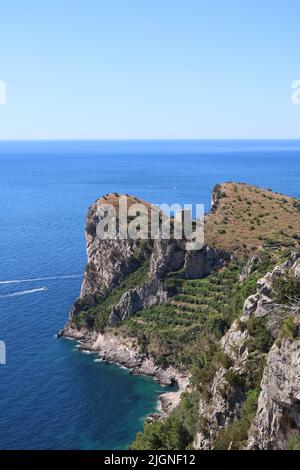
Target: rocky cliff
(278, 411)
(110, 263)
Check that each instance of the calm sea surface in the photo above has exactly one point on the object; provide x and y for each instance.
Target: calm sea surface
(52, 396)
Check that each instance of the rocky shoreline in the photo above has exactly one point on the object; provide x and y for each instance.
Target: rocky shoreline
(124, 352)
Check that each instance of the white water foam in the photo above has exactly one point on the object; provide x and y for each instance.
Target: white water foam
(37, 279)
(24, 292)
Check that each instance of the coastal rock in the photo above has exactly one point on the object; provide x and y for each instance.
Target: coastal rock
(153, 417)
(264, 285)
(257, 303)
(293, 264)
(109, 260)
(219, 411)
(250, 306)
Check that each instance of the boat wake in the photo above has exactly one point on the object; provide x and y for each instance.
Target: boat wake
(24, 292)
(37, 279)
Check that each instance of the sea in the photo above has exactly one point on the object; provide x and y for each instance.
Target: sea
(51, 395)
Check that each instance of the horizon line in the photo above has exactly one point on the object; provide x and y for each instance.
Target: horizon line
(166, 139)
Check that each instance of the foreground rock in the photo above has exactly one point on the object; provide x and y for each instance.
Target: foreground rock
(278, 410)
(277, 418)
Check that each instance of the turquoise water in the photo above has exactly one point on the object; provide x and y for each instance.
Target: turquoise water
(52, 396)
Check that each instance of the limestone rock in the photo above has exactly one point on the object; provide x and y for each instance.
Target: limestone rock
(249, 268)
(151, 293)
(278, 411)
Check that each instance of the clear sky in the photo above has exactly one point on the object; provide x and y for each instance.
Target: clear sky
(134, 69)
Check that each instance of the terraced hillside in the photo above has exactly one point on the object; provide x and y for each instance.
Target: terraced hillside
(198, 315)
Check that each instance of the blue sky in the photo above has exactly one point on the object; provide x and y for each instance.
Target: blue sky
(134, 69)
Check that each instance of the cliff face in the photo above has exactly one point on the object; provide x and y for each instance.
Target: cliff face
(136, 299)
(109, 261)
(278, 410)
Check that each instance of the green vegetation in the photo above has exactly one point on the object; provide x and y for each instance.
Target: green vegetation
(185, 332)
(234, 436)
(95, 317)
(234, 379)
(287, 289)
(173, 433)
(288, 329)
(182, 330)
(293, 443)
(204, 367)
(259, 344)
(260, 339)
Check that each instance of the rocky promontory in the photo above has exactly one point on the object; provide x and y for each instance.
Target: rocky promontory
(222, 321)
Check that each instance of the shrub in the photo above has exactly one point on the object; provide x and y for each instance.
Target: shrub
(173, 433)
(288, 328)
(224, 359)
(293, 443)
(234, 379)
(235, 434)
(202, 375)
(260, 340)
(255, 366)
(218, 324)
(287, 288)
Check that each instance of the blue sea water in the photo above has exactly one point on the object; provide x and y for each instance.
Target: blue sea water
(51, 395)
